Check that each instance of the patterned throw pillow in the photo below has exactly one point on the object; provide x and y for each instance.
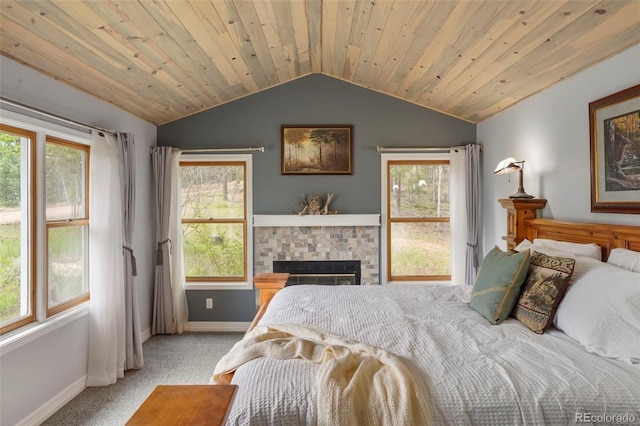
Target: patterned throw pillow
(543, 290)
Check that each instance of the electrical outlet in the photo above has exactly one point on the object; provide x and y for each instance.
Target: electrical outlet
(209, 302)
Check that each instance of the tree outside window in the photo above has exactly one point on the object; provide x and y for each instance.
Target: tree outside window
(214, 223)
(418, 230)
(61, 250)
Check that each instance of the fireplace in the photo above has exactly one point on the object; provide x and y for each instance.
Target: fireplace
(320, 272)
(327, 238)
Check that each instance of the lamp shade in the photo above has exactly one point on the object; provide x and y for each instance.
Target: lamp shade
(508, 165)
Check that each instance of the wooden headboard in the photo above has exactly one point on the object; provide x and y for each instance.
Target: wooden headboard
(606, 236)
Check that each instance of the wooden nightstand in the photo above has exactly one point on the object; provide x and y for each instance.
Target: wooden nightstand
(519, 210)
(185, 405)
(269, 284)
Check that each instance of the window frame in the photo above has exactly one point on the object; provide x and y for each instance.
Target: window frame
(82, 222)
(223, 283)
(16, 333)
(386, 220)
(27, 160)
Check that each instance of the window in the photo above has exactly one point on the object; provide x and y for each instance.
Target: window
(417, 234)
(17, 223)
(67, 224)
(44, 224)
(215, 200)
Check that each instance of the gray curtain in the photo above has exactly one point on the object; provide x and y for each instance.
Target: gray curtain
(162, 321)
(474, 206)
(126, 160)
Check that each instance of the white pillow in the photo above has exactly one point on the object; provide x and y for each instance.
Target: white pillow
(526, 244)
(591, 250)
(625, 259)
(601, 310)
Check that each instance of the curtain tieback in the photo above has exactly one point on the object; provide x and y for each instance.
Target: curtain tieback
(134, 268)
(159, 256)
(474, 254)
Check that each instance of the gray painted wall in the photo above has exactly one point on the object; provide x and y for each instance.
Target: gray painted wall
(550, 131)
(377, 119)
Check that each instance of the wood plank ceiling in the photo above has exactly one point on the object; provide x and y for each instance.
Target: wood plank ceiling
(162, 60)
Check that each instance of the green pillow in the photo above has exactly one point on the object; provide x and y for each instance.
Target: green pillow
(498, 283)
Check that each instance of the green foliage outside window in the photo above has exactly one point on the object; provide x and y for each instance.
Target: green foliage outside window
(213, 213)
(10, 266)
(213, 251)
(419, 207)
(65, 189)
(419, 190)
(9, 271)
(9, 171)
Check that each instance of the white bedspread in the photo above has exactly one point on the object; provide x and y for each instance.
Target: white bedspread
(477, 373)
(356, 384)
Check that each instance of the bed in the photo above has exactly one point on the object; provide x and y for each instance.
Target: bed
(583, 367)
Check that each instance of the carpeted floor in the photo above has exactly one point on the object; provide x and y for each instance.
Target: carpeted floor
(188, 358)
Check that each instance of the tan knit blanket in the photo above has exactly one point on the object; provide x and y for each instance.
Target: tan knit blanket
(356, 384)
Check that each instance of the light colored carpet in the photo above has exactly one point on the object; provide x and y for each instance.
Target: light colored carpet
(183, 359)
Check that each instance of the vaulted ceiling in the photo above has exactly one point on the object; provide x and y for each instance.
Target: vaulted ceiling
(162, 60)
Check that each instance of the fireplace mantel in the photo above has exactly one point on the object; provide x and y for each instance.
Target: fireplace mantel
(283, 220)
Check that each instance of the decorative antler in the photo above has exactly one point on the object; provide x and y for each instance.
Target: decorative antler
(325, 209)
(304, 204)
(314, 205)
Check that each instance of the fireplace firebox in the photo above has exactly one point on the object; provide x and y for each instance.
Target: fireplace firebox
(320, 272)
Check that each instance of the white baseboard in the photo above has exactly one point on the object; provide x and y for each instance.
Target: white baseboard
(217, 326)
(54, 404)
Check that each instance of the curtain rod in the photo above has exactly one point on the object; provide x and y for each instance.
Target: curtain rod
(54, 116)
(249, 149)
(420, 149)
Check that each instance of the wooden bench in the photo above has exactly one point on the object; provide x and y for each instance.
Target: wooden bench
(185, 405)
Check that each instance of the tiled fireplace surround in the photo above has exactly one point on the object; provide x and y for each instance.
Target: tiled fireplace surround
(333, 237)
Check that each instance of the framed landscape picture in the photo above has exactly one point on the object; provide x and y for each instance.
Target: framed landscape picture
(317, 150)
(615, 152)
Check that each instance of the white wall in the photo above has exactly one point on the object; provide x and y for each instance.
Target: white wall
(34, 375)
(550, 130)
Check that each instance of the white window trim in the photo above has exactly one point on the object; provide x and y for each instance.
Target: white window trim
(25, 235)
(384, 161)
(42, 325)
(30, 123)
(231, 285)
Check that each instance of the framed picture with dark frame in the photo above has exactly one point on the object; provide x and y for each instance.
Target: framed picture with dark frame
(614, 123)
(317, 150)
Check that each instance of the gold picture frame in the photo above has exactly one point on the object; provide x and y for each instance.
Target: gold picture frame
(614, 123)
(317, 150)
